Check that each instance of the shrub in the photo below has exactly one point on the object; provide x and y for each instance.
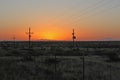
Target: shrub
(113, 56)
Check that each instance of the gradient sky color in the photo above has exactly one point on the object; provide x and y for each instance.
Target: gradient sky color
(55, 19)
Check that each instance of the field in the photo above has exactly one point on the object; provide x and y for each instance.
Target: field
(60, 60)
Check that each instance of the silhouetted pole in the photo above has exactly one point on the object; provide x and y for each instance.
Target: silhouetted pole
(55, 66)
(83, 67)
(29, 33)
(73, 37)
(14, 41)
(110, 71)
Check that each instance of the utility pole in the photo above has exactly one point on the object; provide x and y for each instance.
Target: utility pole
(73, 37)
(14, 40)
(83, 66)
(55, 68)
(29, 33)
(110, 69)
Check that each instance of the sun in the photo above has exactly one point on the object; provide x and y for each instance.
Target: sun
(49, 36)
(53, 34)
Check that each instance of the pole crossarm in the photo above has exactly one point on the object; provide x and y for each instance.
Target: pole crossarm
(73, 37)
(29, 33)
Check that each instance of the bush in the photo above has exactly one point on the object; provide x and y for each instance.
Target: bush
(113, 56)
(3, 52)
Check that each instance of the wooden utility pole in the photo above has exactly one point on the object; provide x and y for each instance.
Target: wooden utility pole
(14, 41)
(29, 33)
(83, 66)
(73, 37)
(110, 68)
(55, 68)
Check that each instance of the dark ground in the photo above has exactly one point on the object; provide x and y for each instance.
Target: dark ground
(60, 61)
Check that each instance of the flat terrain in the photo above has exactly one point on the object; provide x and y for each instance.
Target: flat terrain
(60, 62)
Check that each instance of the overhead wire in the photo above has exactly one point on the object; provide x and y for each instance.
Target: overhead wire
(85, 10)
(91, 10)
(96, 13)
(88, 11)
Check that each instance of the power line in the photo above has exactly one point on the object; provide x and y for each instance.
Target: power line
(99, 12)
(85, 10)
(63, 14)
(100, 6)
(95, 6)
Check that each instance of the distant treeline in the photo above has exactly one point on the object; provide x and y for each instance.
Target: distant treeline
(83, 44)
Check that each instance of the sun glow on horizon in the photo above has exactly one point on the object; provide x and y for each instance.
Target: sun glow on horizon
(48, 35)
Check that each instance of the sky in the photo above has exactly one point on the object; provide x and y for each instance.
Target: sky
(55, 19)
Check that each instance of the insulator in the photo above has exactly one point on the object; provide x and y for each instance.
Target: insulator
(74, 37)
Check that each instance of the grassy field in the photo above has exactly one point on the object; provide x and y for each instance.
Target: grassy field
(68, 68)
(59, 63)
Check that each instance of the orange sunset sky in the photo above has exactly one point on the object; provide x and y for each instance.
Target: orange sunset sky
(55, 19)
